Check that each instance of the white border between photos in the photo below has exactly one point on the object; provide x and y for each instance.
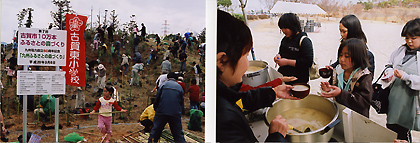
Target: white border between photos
(210, 114)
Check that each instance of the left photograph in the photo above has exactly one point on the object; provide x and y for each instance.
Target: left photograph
(102, 71)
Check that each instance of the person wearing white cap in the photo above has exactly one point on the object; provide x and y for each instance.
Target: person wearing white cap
(101, 78)
(124, 63)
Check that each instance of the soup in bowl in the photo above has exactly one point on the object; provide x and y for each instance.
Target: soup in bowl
(300, 90)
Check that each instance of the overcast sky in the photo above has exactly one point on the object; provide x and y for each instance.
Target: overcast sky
(181, 15)
(256, 5)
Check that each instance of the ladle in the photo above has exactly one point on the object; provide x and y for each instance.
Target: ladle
(292, 128)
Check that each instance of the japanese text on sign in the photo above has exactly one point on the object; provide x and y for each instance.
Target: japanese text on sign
(42, 45)
(75, 67)
(40, 82)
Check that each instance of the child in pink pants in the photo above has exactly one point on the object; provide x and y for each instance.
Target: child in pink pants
(104, 105)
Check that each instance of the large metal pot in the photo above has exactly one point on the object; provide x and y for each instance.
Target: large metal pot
(311, 101)
(255, 78)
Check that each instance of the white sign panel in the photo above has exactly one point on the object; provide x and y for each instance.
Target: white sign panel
(41, 47)
(40, 82)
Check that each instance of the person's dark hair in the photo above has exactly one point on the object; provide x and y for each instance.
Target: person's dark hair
(139, 61)
(357, 52)
(167, 58)
(233, 37)
(290, 21)
(110, 89)
(194, 63)
(172, 75)
(411, 28)
(354, 28)
(193, 82)
(152, 100)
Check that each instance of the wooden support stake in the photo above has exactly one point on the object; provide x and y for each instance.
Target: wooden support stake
(97, 113)
(133, 133)
(144, 136)
(18, 107)
(68, 113)
(102, 140)
(127, 140)
(7, 113)
(188, 139)
(39, 109)
(134, 139)
(141, 138)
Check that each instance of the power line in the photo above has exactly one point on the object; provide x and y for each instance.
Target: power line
(165, 28)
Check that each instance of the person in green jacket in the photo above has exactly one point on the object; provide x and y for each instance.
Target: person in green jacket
(47, 104)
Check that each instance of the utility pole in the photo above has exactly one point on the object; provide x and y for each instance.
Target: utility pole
(165, 28)
(91, 9)
(106, 10)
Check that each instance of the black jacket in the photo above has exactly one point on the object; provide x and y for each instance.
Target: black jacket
(13, 63)
(136, 41)
(303, 55)
(183, 56)
(231, 124)
(143, 31)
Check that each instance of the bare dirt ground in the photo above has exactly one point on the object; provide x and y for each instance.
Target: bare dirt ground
(135, 97)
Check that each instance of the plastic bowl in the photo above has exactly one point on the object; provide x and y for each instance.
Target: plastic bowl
(325, 73)
(300, 90)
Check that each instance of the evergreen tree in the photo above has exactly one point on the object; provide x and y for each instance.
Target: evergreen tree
(21, 16)
(202, 36)
(114, 20)
(29, 21)
(63, 9)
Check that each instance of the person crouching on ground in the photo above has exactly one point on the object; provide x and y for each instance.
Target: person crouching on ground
(46, 107)
(104, 106)
(146, 118)
(135, 72)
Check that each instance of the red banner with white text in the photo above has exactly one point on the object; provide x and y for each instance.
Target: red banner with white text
(75, 63)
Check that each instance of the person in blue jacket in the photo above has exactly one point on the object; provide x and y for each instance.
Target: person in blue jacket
(168, 106)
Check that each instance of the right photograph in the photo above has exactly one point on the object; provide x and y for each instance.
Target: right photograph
(305, 72)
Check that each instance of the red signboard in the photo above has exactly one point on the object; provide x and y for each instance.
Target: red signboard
(75, 64)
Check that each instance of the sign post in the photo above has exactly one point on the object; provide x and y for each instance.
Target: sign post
(40, 47)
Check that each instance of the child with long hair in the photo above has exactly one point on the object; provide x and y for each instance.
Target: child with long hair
(350, 27)
(353, 87)
(104, 105)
